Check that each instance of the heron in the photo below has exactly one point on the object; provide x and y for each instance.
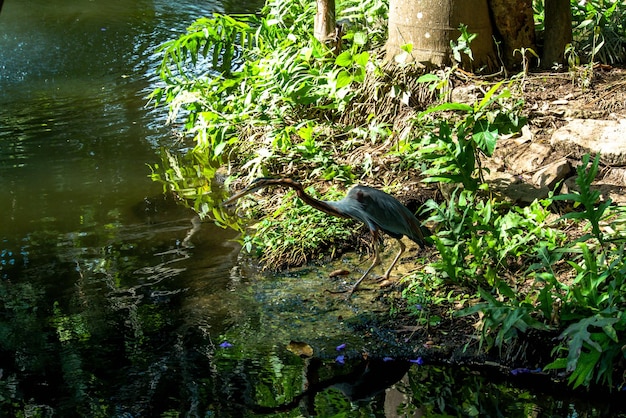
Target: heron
(378, 210)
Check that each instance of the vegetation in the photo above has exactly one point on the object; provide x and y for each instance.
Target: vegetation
(269, 103)
(259, 95)
(599, 32)
(97, 331)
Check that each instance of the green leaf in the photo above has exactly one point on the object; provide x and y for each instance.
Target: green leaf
(408, 48)
(486, 140)
(447, 106)
(585, 368)
(344, 59)
(360, 38)
(486, 100)
(343, 79)
(610, 332)
(362, 58)
(428, 78)
(559, 363)
(579, 336)
(219, 148)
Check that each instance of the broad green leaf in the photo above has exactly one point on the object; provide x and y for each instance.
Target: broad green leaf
(486, 141)
(362, 58)
(584, 370)
(579, 335)
(559, 363)
(343, 79)
(344, 59)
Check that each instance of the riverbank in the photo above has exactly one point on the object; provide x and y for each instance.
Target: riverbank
(432, 330)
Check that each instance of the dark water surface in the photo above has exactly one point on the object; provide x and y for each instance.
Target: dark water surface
(114, 301)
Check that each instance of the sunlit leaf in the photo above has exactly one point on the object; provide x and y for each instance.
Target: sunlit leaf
(360, 38)
(428, 78)
(343, 79)
(344, 59)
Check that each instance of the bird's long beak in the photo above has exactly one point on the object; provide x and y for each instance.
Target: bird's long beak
(234, 198)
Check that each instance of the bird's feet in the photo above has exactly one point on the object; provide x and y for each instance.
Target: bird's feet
(385, 281)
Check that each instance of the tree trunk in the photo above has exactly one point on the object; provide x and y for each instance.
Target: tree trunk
(515, 27)
(558, 32)
(324, 25)
(430, 25)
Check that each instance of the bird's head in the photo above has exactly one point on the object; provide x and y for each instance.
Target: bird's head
(260, 183)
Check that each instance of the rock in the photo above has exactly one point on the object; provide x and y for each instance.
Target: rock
(466, 94)
(525, 193)
(514, 160)
(513, 189)
(527, 158)
(551, 174)
(581, 136)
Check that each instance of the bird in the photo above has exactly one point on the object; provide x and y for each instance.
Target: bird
(379, 211)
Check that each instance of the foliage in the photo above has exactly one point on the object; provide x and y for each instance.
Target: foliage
(462, 45)
(470, 392)
(283, 73)
(193, 180)
(261, 93)
(267, 79)
(593, 303)
(474, 230)
(599, 31)
(295, 232)
(478, 236)
(219, 40)
(507, 319)
(452, 147)
(587, 198)
(483, 244)
(369, 16)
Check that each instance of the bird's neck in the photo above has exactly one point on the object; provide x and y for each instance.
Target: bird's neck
(316, 203)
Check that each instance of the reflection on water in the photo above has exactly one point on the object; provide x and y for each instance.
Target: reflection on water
(116, 301)
(101, 277)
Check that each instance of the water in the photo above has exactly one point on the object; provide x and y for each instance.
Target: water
(116, 301)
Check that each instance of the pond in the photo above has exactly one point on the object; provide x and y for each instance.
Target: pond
(116, 301)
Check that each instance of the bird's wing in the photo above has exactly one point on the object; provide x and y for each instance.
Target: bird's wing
(385, 212)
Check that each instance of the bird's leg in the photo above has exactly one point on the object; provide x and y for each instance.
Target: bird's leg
(395, 260)
(374, 263)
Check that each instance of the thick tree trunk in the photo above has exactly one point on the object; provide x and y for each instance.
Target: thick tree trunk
(324, 25)
(430, 25)
(515, 27)
(558, 32)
